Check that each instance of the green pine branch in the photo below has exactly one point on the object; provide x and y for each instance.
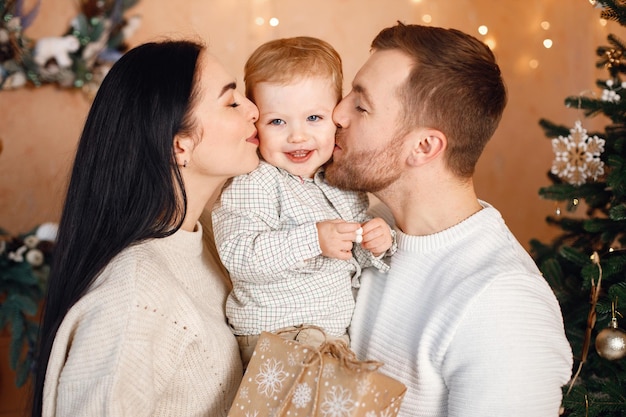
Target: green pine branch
(593, 221)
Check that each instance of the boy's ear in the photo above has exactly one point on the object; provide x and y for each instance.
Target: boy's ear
(183, 149)
(425, 145)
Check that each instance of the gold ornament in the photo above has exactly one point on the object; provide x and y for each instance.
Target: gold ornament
(611, 342)
(613, 58)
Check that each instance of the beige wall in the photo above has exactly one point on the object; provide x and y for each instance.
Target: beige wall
(39, 127)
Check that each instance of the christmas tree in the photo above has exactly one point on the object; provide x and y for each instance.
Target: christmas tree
(586, 264)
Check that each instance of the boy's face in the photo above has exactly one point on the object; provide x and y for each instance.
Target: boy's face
(296, 128)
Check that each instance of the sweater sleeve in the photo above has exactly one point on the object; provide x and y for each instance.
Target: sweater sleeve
(509, 355)
(130, 370)
(250, 239)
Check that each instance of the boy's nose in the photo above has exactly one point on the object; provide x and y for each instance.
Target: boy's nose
(297, 136)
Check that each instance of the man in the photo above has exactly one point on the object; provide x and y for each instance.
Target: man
(464, 317)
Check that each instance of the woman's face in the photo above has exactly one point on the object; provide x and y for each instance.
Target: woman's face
(227, 141)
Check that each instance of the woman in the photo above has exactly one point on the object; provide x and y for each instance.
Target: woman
(134, 320)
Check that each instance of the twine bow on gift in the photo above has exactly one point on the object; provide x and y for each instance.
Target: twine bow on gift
(346, 357)
(337, 349)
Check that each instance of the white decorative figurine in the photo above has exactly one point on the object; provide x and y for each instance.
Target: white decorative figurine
(57, 48)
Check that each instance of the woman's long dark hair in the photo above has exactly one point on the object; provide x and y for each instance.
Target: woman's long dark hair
(125, 185)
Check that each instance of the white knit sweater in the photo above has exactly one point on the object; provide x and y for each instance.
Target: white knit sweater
(149, 338)
(467, 322)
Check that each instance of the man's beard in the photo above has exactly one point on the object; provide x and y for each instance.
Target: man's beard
(367, 171)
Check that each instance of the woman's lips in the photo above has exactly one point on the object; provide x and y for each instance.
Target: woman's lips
(254, 139)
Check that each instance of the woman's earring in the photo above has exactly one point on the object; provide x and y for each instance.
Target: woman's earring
(185, 164)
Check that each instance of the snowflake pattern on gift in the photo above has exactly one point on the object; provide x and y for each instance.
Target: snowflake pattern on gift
(338, 403)
(387, 412)
(302, 395)
(363, 387)
(264, 345)
(270, 377)
(328, 371)
(292, 360)
(243, 392)
(252, 413)
(578, 156)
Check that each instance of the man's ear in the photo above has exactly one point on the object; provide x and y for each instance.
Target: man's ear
(183, 149)
(425, 145)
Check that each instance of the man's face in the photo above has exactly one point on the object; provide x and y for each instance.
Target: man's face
(368, 155)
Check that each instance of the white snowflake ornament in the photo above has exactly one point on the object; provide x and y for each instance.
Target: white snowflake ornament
(578, 156)
(612, 94)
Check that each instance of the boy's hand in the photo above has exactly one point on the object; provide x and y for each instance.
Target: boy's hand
(336, 237)
(376, 236)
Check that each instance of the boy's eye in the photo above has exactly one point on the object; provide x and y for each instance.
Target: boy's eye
(234, 104)
(277, 122)
(313, 118)
(360, 109)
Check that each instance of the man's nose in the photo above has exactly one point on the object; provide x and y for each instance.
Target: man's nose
(339, 115)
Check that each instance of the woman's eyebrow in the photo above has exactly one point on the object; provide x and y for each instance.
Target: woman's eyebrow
(228, 87)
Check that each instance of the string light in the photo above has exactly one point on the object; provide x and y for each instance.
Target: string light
(483, 30)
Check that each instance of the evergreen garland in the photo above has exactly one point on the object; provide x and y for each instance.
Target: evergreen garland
(98, 36)
(24, 265)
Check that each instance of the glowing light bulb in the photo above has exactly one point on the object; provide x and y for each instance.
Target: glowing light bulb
(427, 18)
(259, 21)
(274, 21)
(547, 43)
(545, 25)
(533, 63)
(482, 29)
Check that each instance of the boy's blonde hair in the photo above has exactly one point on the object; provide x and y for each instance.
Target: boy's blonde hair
(288, 59)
